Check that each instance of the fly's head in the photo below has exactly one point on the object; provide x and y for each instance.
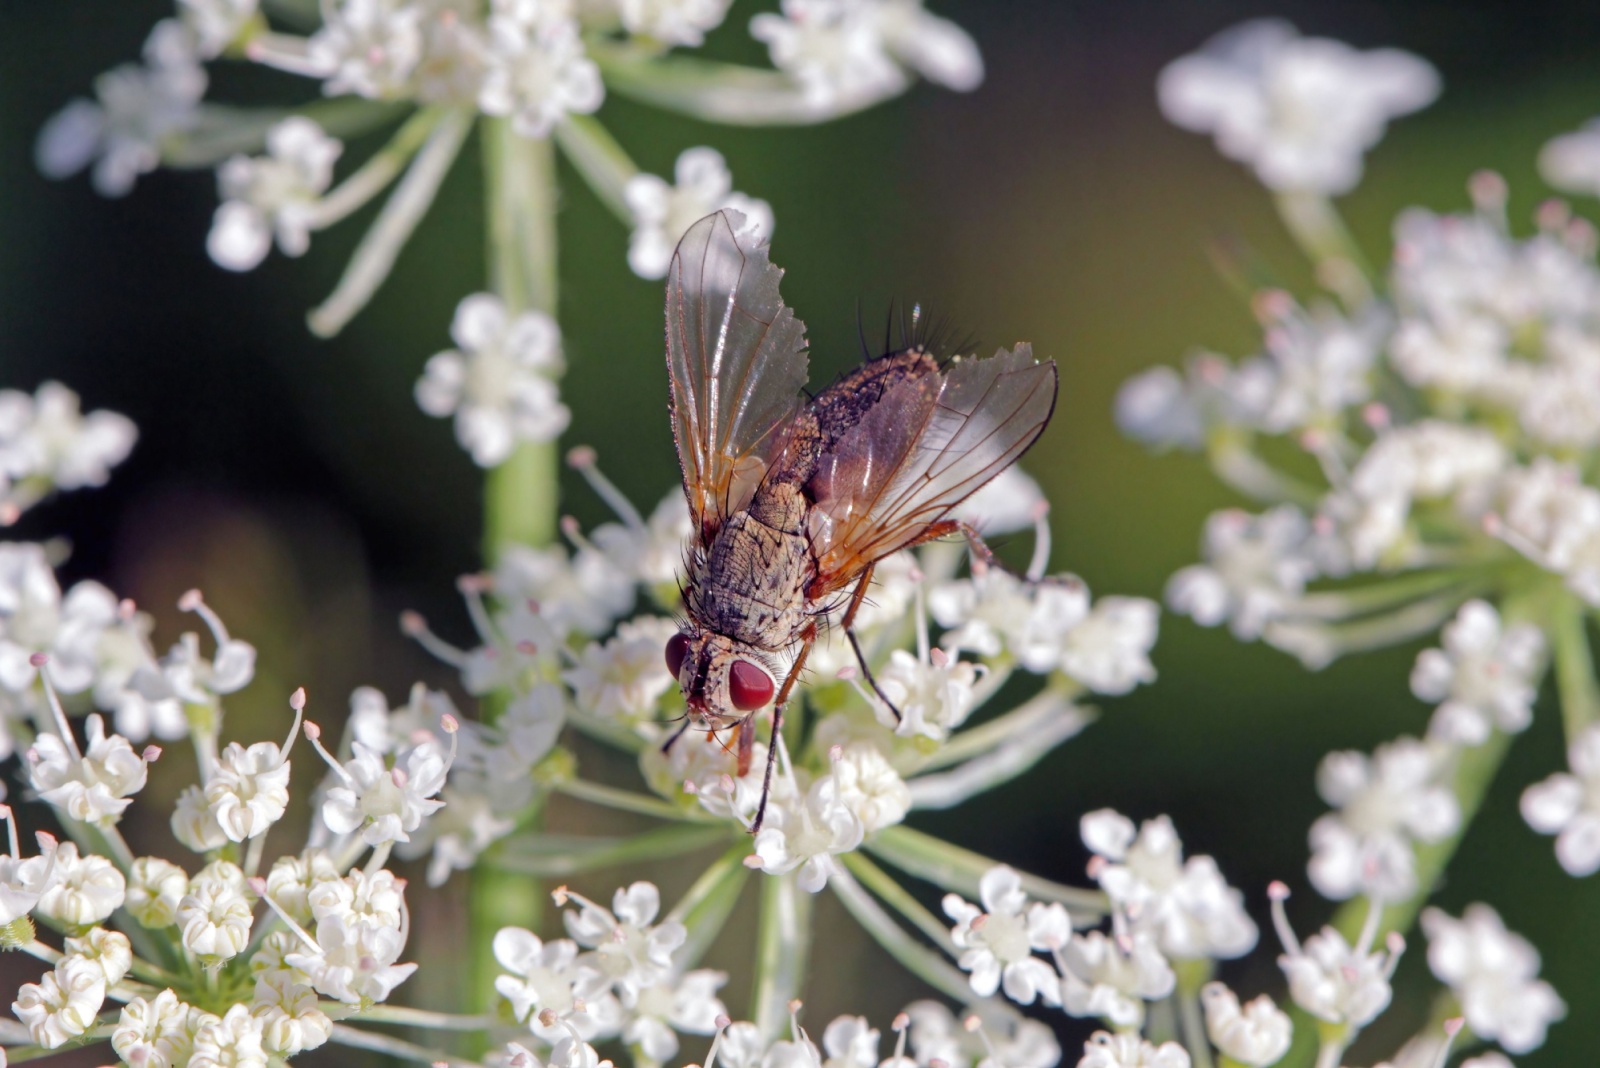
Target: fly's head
(722, 680)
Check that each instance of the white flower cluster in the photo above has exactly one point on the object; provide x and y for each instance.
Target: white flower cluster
(47, 443)
(1163, 909)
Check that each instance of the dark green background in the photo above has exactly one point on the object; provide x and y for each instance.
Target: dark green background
(295, 480)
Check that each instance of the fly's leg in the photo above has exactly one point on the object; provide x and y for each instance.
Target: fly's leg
(672, 739)
(848, 623)
(745, 731)
(807, 638)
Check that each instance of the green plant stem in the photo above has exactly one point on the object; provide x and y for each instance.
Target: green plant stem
(783, 942)
(953, 868)
(561, 856)
(896, 897)
(915, 957)
(1575, 681)
(705, 906)
(345, 1035)
(628, 801)
(520, 496)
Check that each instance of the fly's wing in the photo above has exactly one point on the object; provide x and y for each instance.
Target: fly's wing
(736, 359)
(922, 450)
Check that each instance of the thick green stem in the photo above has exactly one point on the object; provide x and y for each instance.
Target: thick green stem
(520, 496)
(783, 942)
(952, 868)
(1575, 681)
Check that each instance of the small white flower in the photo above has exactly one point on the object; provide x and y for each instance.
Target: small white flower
(24, 881)
(1256, 569)
(1494, 974)
(35, 618)
(999, 939)
(229, 1041)
(368, 47)
(186, 676)
(997, 611)
(1109, 652)
(1568, 805)
(1316, 364)
(290, 1020)
(847, 54)
(110, 950)
(1187, 905)
(1571, 162)
(354, 961)
(138, 107)
(933, 697)
(368, 900)
(193, 823)
(499, 384)
(215, 915)
(216, 24)
(662, 212)
(293, 878)
(538, 70)
(1256, 1034)
(458, 835)
(628, 952)
(623, 678)
(1112, 977)
(1106, 1050)
(96, 787)
(1485, 677)
(541, 977)
(155, 887)
(1302, 111)
(63, 1004)
(1006, 1038)
(686, 1004)
(805, 833)
(47, 442)
(86, 890)
(1386, 803)
(154, 1033)
(249, 788)
(386, 804)
(866, 783)
(1331, 979)
(673, 22)
(272, 196)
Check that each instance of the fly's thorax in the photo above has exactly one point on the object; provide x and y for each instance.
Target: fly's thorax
(723, 679)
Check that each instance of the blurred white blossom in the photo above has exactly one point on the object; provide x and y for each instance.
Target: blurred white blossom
(663, 212)
(272, 196)
(1494, 975)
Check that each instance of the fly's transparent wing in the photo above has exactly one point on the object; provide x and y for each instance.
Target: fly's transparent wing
(922, 450)
(736, 359)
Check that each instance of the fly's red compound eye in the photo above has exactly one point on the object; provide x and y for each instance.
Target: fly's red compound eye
(749, 687)
(677, 649)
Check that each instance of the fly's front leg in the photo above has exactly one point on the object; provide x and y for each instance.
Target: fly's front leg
(808, 638)
(672, 739)
(848, 623)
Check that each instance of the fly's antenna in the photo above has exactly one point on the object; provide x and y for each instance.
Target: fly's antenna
(861, 333)
(888, 330)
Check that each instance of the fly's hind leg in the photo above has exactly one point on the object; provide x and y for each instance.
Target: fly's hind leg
(782, 699)
(848, 624)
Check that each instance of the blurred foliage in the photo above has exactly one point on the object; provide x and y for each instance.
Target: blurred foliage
(296, 482)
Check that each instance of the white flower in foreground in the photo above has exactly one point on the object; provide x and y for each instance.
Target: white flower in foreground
(249, 788)
(291, 1022)
(1387, 803)
(155, 888)
(1004, 1037)
(63, 1004)
(293, 878)
(86, 890)
(866, 783)
(623, 678)
(111, 950)
(386, 804)
(23, 881)
(1302, 111)
(1106, 1050)
(1485, 677)
(354, 961)
(1567, 805)
(663, 213)
(138, 108)
(1494, 974)
(686, 1004)
(1256, 569)
(998, 940)
(94, 787)
(538, 71)
(997, 612)
(499, 384)
(233, 1040)
(933, 697)
(215, 915)
(628, 951)
(1187, 905)
(193, 823)
(187, 676)
(850, 1042)
(154, 1033)
(216, 24)
(805, 833)
(1111, 977)
(1256, 1034)
(1571, 162)
(541, 977)
(847, 54)
(1328, 977)
(673, 22)
(272, 196)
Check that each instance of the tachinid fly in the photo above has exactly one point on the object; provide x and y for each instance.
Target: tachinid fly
(793, 501)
